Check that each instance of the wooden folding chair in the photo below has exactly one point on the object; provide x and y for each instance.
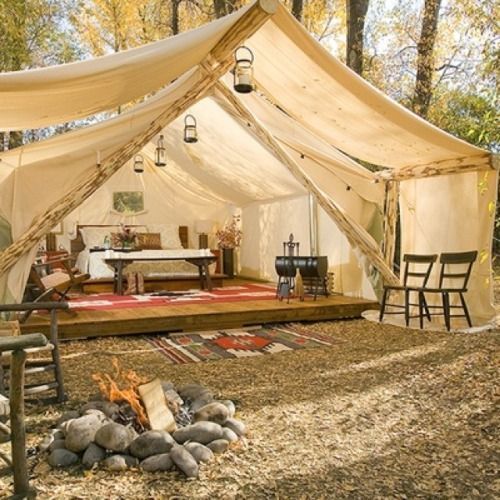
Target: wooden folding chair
(54, 277)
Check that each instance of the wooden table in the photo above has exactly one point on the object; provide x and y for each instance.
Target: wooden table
(120, 262)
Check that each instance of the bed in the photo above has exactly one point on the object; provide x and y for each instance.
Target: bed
(89, 242)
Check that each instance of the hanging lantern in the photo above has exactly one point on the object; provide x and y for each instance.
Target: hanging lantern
(160, 153)
(138, 164)
(243, 70)
(190, 132)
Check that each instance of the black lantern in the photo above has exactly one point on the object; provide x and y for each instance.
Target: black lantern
(160, 153)
(243, 70)
(190, 132)
(138, 164)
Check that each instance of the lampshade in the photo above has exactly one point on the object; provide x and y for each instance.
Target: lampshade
(203, 226)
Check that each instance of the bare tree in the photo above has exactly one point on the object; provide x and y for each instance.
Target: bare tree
(355, 16)
(223, 7)
(425, 59)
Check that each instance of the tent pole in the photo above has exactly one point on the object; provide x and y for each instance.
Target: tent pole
(214, 66)
(313, 226)
(484, 161)
(356, 235)
(390, 220)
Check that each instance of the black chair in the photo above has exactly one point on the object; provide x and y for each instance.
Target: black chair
(417, 268)
(453, 279)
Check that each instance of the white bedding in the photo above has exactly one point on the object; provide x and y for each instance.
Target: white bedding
(93, 263)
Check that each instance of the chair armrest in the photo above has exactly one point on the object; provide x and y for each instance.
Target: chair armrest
(33, 306)
(15, 343)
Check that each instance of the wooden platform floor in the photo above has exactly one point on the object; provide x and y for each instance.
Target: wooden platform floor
(199, 316)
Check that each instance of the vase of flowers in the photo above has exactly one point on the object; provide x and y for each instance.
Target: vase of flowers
(229, 238)
(127, 237)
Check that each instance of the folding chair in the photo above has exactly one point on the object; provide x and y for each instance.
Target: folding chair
(453, 279)
(54, 277)
(417, 269)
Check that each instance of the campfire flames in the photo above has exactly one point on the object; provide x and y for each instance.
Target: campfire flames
(122, 387)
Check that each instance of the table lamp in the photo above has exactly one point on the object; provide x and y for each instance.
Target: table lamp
(203, 227)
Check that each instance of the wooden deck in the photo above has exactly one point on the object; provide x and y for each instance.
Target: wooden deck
(199, 316)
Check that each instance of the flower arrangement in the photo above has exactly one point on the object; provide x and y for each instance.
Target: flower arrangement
(127, 235)
(230, 235)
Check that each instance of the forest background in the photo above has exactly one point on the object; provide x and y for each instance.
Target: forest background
(439, 58)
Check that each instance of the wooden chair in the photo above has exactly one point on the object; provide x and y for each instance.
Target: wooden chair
(14, 407)
(417, 269)
(453, 279)
(41, 374)
(54, 277)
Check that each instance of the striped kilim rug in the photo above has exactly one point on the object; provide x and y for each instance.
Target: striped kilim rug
(213, 345)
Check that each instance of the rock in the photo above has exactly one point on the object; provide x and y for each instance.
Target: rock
(230, 406)
(184, 461)
(57, 434)
(57, 444)
(200, 432)
(174, 401)
(192, 391)
(157, 463)
(151, 443)
(65, 417)
(93, 454)
(118, 463)
(212, 412)
(115, 437)
(107, 407)
(202, 400)
(229, 435)
(218, 446)
(199, 451)
(237, 426)
(80, 432)
(62, 458)
(167, 385)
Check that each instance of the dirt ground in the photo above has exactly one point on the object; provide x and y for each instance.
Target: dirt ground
(384, 412)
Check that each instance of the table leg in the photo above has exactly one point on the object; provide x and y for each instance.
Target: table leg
(119, 277)
(200, 273)
(207, 276)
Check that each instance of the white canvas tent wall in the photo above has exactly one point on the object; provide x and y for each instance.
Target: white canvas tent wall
(322, 98)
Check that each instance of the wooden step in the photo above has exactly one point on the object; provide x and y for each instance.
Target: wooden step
(36, 388)
(41, 368)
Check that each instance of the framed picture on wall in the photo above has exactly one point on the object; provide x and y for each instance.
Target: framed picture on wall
(128, 202)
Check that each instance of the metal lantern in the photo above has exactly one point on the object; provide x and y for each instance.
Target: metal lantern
(138, 164)
(243, 70)
(160, 153)
(190, 132)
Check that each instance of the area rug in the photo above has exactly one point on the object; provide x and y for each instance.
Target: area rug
(181, 348)
(107, 301)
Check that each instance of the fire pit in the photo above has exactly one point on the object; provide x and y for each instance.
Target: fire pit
(153, 425)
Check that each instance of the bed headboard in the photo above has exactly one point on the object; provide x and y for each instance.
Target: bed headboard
(77, 244)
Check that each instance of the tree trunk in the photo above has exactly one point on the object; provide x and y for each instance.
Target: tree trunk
(425, 61)
(223, 7)
(355, 16)
(298, 9)
(174, 20)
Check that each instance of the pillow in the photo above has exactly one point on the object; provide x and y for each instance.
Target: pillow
(149, 241)
(169, 234)
(94, 236)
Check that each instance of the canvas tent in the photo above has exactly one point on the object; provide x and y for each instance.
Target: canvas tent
(264, 153)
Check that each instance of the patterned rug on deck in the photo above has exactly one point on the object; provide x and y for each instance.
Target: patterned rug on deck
(107, 301)
(193, 347)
